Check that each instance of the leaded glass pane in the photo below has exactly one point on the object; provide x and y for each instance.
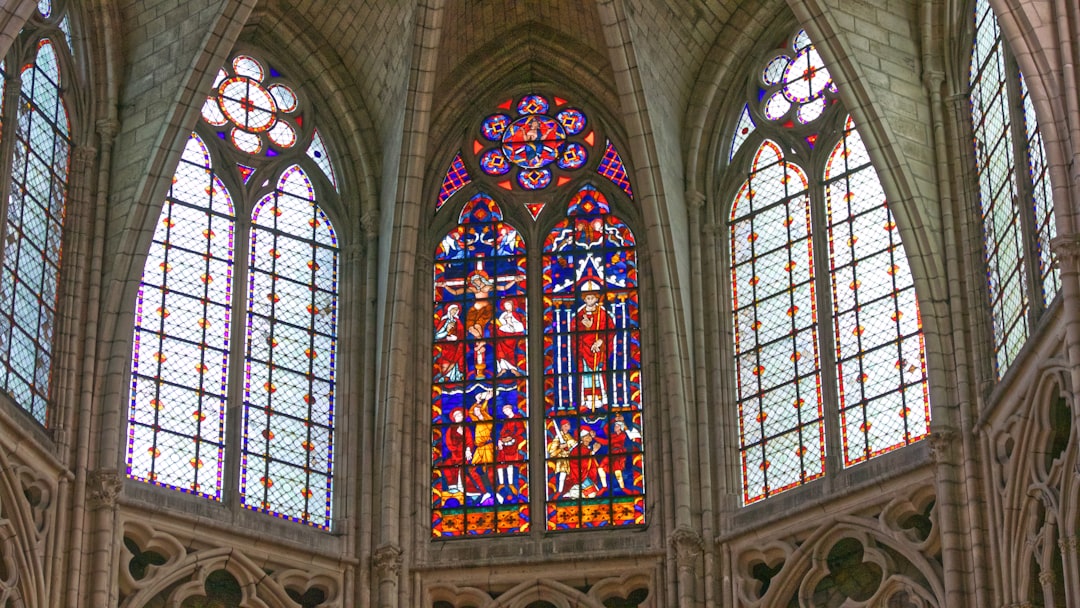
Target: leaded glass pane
(881, 361)
(743, 129)
(1010, 233)
(782, 437)
(180, 358)
(31, 263)
(289, 379)
(1043, 203)
(592, 370)
(480, 410)
(317, 152)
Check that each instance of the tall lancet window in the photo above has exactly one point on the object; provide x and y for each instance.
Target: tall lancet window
(535, 161)
(35, 134)
(819, 282)
(1014, 191)
(247, 188)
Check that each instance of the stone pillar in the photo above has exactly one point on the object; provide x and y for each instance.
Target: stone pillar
(387, 562)
(103, 488)
(687, 546)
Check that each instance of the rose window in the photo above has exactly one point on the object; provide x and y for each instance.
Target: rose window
(256, 116)
(533, 140)
(797, 81)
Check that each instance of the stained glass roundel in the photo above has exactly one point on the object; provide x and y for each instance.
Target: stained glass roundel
(796, 78)
(532, 141)
(243, 103)
(546, 137)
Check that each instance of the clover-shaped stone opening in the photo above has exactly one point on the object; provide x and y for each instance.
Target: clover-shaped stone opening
(764, 574)
(849, 576)
(141, 560)
(222, 591)
(632, 600)
(308, 599)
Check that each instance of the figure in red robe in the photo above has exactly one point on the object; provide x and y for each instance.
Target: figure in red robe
(591, 338)
(510, 451)
(588, 477)
(623, 442)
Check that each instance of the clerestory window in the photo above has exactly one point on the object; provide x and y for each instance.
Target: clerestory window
(819, 282)
(1015, 195)
(235, 339)
(536, 339)
(35, 148)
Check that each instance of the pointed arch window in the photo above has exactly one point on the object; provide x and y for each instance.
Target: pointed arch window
(195, 302)
(1014, 191)
(819, 281)
(536, 155)
(35, 142)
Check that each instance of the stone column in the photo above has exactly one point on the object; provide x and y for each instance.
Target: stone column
(387, 562)
(103, 488)
(687, 546)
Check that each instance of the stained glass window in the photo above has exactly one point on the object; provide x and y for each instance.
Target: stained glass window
(480, 409)
(1021, 278)
(180, 359)
(181, 363)
(547, 152)
(880, 353)
(33, 230)
(592, 370)
(779, 263)
(457, 176)
(778, 368)
(286, 463)
(317, 152)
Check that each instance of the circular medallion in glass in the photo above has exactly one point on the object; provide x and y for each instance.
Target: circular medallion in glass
(531, 142)
(247, 104)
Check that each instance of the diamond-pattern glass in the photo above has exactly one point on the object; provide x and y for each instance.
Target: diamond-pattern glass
(479, 409)
(180, 358)
(31, 262)
(1006, 226)
(782, 440)
(592, 370)
(881, 363)
(286, 462)
(1043, 204)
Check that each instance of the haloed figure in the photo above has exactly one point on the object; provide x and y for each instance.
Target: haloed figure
(591, 323)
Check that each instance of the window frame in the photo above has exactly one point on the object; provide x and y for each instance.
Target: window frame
(732, 171)
(533, 233)
(329, 197)
(1039, 309)
(23, 52)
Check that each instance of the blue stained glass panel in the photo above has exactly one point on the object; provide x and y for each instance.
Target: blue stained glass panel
(592, 370)
(479, 437)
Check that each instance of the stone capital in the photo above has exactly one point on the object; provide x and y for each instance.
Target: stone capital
(103, 487)
(107, 128)
(369, 221)
(387, 561)
(695, 200)
(354, 252)
(687, 546)
(940, 442)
